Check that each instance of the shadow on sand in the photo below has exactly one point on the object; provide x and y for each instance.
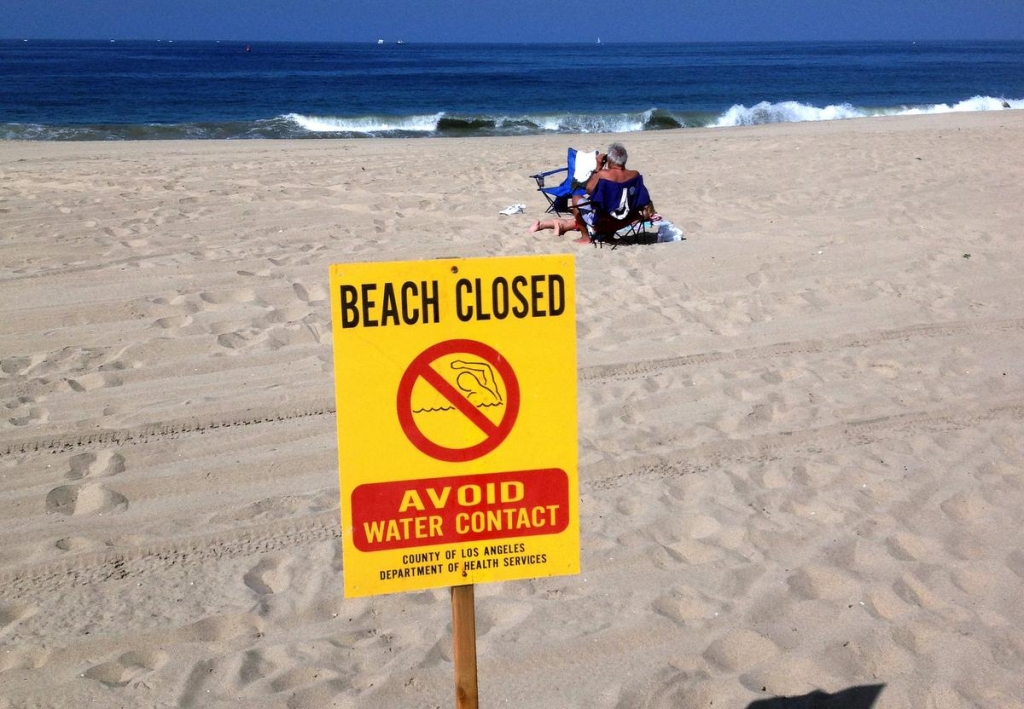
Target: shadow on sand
(665, 232)
(862, 697)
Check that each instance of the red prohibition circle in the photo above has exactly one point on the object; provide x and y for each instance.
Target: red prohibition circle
(420, 368)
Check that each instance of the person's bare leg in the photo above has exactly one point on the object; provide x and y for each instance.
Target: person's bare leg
(559, 225)
(564, 225)
(538, 225)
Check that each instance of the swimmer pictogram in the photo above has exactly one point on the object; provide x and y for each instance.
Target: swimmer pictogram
(458, 400)
(476, 381)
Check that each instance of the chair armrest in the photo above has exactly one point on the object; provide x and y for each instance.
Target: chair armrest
(542, 175)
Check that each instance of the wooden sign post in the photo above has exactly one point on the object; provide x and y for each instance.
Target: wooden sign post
(464, 647)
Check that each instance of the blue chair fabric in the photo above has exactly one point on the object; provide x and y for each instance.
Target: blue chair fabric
(619, 211)
(559, 195)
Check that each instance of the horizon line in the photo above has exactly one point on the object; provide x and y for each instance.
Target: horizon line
(397, 41)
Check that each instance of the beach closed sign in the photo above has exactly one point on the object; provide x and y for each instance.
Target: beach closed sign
(455, 382)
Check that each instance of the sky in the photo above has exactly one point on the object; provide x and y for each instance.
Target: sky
(513, 20)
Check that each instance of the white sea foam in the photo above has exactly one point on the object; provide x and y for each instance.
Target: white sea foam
(591, 123)
(978, 103)
(784, 112)
(366, 124)
(795, 112)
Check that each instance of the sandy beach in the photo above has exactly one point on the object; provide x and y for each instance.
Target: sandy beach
(801, 436)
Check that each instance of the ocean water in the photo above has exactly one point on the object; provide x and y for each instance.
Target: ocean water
(130, 90)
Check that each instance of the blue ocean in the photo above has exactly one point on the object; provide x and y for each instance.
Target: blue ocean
(136, 90)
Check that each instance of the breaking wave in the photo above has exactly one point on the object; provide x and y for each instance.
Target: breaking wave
(794, 112)
(296, 125)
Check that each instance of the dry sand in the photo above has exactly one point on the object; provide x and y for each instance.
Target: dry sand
(801, 441)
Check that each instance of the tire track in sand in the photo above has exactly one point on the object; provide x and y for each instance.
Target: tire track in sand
(132, 562)
(615, 372)
(770, 446)
(629, 370)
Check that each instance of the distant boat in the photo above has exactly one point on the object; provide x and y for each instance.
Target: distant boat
(380, 41)
(599, 40)
(401, 41)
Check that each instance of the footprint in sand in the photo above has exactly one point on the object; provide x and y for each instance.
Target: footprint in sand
(35, 414)
(128, 668)
(239, 339)
(117, 232)
(23, 401)
(685, 605)
(904, 546)
(85, 499)
(219, 628)
(501, 616)
(174, 300)
(916, 593)
(16, 365)
(270, 575)
(1015, 562)
(13, 613)
(95, 465)
(314, 294)
(244, 295)
(693, 552)
(740, 649)
(173, 322)
(815, 581)
(23, 657)
(95, 380)
(325, 692)
(302, 677)
(689, 686)
(965, 506)
(257, 665)
(757, 278)
(77, 544)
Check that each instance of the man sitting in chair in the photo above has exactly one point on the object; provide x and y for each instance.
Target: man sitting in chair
(609, 206)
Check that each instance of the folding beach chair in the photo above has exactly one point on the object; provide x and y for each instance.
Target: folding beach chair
(619, 212)
(559, 195)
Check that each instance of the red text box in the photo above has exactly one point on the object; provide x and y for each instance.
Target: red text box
(465, 508)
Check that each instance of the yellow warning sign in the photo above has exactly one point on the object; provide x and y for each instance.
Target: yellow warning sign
(455, 383)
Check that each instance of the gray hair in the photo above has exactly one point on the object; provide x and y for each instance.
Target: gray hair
(617, 154)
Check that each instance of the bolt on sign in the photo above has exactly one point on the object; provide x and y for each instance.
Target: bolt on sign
(455, 382)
